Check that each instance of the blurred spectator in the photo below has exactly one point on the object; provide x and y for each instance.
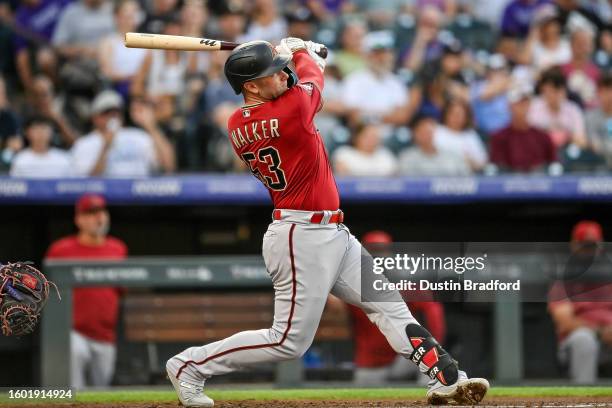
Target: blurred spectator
(488, 11)
(581, 73)
(163, 73)
(376, 93)
(194, 17)
(351, 57)
(118, 63)
(40, 160)
(521, 147)
(470, 30)
(217, 90)
(266, 23)
(231, 21)
(329, 118)
(449, 70)
(381, 13)
(7, 54)
(556, 114)
(35, 22)
(115, 151)
(575, 12)
(365, 157)
(546, 46)
(427, 46)
(301, 24)
(375, 361)
(489, 97)
(599, 120)
(328, 10)
(581, 309)
(603, 55)
(81, 27)
(447, 7)
(217, 154)
(424, 159)
(456, 134)
(43, 102)
(10, 141)
(95, 309)
(518, 17)
(160, 13)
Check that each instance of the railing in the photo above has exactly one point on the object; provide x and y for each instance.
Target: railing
(245, 189)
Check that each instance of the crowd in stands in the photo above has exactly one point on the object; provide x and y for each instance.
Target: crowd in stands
(413, 87)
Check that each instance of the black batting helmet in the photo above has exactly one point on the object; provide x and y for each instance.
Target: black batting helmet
(255, 59)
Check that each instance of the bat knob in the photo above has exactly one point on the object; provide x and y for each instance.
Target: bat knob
(322, 52)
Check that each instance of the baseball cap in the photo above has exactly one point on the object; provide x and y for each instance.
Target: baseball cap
(106, 100)
(377, 237)
(518, 92)
(379, 40)
(90, 203)
(587, 231)
(301, 15)
(452, 46)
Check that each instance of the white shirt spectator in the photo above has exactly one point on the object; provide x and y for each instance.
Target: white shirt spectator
(132, 154)
(466, 143)
(356, 163)
(562, 125)
(414, 162)
(376, 96)
(545, 57)
(125, 61)
(54, 163)
(80, 24)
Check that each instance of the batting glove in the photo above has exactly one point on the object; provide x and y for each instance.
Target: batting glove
(313, 46)
(313, 50)
(293, 44)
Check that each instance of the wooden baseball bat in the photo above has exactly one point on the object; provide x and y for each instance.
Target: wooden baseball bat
(175, 42)
(182, 43)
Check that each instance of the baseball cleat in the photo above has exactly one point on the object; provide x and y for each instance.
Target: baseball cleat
(466, 391)
(190, 395)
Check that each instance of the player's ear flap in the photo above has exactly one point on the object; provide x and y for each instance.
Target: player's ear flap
(293, 78)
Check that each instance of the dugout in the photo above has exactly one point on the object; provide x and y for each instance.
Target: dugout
(227, 216)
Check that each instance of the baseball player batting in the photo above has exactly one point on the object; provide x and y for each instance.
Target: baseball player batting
(307, 249)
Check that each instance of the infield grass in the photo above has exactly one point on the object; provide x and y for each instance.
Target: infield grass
(321, 394)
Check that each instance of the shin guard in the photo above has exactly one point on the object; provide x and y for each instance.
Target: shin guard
(430, 357)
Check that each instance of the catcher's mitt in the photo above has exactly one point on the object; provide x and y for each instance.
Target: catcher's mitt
(24, 291)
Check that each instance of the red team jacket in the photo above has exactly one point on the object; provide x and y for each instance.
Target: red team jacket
(95, 309)
(280, 144)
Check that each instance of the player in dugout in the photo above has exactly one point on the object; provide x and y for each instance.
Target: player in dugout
(95, 309)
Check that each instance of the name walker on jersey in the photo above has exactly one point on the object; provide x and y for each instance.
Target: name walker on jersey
(255, 131)
(465, 284)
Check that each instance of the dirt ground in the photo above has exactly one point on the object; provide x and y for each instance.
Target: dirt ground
(583, 402)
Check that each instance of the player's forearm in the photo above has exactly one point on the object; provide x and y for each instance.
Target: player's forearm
(307, 70)
(67, 134)
(100, 166)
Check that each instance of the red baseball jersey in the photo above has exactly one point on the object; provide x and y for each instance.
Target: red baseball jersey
(95, 309)
(280, 144)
